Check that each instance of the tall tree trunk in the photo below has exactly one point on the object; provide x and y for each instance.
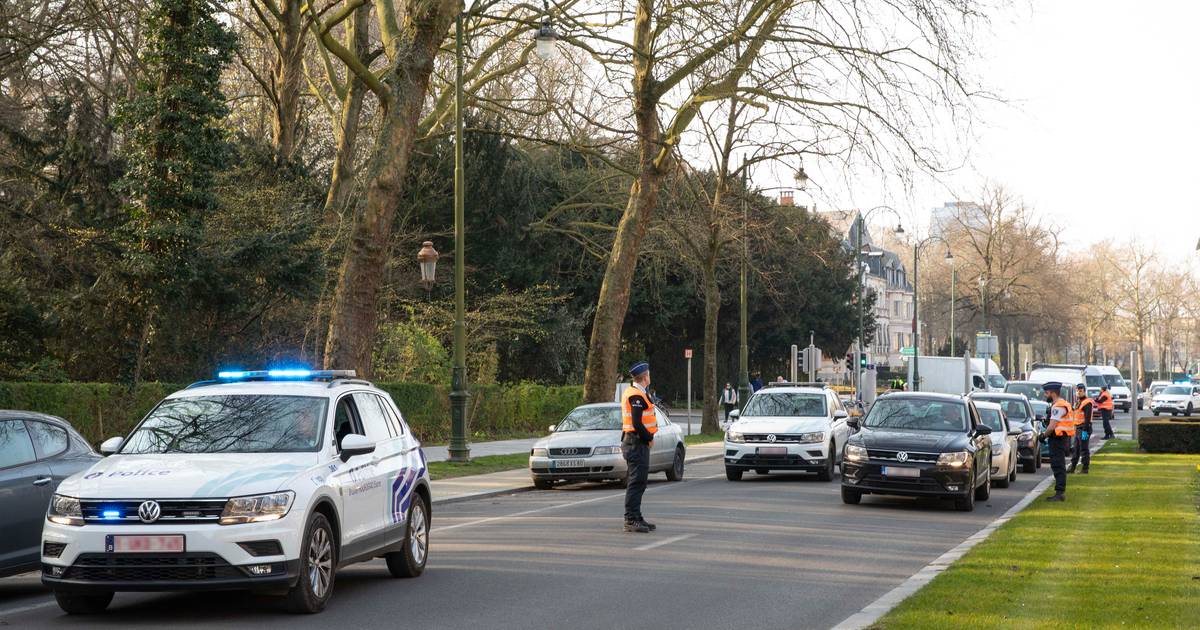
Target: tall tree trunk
(712, 309)
(342, 173)
(288, 77)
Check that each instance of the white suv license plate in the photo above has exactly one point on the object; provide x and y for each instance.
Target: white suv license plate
(172, 543)
(894, 471)
(568, 463)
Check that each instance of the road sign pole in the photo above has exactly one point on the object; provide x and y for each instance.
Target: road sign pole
(1133, 392)
(687, 354)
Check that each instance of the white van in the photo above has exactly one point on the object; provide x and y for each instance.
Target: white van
(1068, 375)
(1122, 396)
(945, 375)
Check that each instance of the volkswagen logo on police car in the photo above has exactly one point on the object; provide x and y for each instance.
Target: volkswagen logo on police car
(771, 437)
(902, 456)
(149, 511)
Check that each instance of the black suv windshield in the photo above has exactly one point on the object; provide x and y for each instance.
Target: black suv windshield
(785, 404)
(917, 414)
(244, 423)
(591, 419)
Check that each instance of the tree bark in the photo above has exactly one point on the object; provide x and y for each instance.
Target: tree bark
(712, 309)
(288, 77)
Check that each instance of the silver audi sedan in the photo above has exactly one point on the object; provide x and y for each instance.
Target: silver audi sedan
(586, 446)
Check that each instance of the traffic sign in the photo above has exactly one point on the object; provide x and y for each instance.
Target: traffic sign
(687, 353)
(907, 351)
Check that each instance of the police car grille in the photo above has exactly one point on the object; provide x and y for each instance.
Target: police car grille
(891, 456)
(779, 437)
(579, 451)
(174, 511)
(151, 568)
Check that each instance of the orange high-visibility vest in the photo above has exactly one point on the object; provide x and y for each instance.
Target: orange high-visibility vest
(1078, 415)
(1066, 424)
(1105, 401)
(648, 418)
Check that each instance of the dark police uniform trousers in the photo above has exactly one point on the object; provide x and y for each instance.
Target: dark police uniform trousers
(1059, 445)
(637, 461)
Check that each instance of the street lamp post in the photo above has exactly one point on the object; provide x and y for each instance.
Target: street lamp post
(953, 281)
(459, 451)
(858, 268)
(916, 331)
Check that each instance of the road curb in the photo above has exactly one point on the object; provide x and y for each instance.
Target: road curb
(518, 489)
(880, 607)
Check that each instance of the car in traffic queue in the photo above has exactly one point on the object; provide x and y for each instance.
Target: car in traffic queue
(1155, 388)
(37, 452)
(1117, 386)
(1022, 418)
(789, 427)
(1177, 398)
(258, 480)
(586, 446)
(922, 445)
(1004, 443)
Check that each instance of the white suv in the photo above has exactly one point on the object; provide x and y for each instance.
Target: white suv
(787, 426)
(268, 481)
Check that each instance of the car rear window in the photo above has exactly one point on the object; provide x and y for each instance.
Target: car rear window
(917, 415)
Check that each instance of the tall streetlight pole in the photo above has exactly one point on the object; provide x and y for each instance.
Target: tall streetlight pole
(916, 330)
(743, 341)
(459, 451)
(861, 221)
(953, 281)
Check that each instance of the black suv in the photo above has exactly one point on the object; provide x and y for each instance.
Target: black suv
(919, 444)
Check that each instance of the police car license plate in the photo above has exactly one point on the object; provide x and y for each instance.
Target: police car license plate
(568, 463)
(893, 471)
(144, 544)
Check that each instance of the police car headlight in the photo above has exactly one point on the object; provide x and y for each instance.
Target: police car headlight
(735, 436)
(539, 452)
(257, 508)
(812, 438)
(954, 460)
(607, 450)
(856, 453)
(65, 511)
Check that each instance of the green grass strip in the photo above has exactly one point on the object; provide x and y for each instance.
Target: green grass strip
(478, 466)
(1123, 551)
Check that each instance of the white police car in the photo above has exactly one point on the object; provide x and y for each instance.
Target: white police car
(268, 481)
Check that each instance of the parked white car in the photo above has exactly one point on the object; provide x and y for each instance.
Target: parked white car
(1144, 397)
(263, 481)
(1005, 455)
(787, 426)
(1177, 398)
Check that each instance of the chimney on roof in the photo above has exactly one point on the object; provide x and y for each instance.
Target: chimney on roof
(787, 198)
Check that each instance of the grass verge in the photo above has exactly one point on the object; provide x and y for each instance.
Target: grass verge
(701, 438)
(478, 466)
(1124, 550)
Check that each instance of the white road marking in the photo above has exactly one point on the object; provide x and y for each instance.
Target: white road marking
(16, 611)
(665, 541)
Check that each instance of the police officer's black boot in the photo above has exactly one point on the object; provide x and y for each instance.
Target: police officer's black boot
(637, 526)
(1057, 497)
(1071, 469)
(652, 526)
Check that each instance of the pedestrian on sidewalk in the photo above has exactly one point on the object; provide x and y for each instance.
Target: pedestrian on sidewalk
(755, 384)
(1104, 403)
(1083, 429)
(729, 399)
(638, 426)
(1058, 435)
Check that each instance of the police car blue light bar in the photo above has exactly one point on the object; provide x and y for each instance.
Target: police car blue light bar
(283, 374)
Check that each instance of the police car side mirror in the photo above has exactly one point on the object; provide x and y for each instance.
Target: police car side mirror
(355, 444)
(551, 428)
(111, 445)
(735, 414)
(840, 413)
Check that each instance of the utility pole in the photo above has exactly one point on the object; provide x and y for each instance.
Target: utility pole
(743, 343)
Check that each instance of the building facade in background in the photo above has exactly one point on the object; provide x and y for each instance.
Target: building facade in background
(957, 213)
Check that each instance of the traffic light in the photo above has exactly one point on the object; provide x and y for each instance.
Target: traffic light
(849, 360)
(802, 357)
(862, 360)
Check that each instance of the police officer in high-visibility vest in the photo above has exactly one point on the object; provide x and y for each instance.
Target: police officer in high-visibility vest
(1104, 404)
(638, 426)
(1084, 409)
(1059, 433)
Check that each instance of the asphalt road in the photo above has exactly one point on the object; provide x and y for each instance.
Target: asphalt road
(780, 551)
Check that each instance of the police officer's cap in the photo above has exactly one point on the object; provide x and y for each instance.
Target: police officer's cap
(1104, 387)
(1080, 386)
(639, 368)
(1052, 386)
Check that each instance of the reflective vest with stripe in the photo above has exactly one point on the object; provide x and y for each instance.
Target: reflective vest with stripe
(648, 419)
(1066, 424)
(1104, 401)
(1079, 419)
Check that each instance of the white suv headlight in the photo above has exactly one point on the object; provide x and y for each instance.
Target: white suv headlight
(257, 508)
(856, 453)
(956, 460)
(607, 450)
(735, 436)
(812, 438)
(65, 511)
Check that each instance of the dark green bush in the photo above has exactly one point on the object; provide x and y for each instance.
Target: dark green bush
(1165, 436)
(102, 410)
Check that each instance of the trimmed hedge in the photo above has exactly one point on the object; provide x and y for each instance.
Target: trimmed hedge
(1166, 436)
(102, 410)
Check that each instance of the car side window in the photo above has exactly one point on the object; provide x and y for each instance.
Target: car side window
(345, 420)
(393, 416)
(373, 420)
(48, 440)
(15, 446)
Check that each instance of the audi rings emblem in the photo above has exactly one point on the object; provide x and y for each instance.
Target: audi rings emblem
(149, 511)
(569, 451)
(902, 456)
(771, 437)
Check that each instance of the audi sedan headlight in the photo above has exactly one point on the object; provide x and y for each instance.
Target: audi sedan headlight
(954, 460)
(607, 450)
(735, 436)
(856, 453)
(65, 511)
(539, 452)
(812, 438)
(257, 508)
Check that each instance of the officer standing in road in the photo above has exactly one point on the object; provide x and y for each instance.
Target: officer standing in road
(1104, 403)
(638, 426)
(1059, 433)
(1083, 429)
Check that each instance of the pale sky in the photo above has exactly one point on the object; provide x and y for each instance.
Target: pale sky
(1102, 127)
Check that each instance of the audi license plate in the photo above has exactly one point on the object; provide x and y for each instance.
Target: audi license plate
(893, 471)
(771, 450)
(568, 463)
(172, 543)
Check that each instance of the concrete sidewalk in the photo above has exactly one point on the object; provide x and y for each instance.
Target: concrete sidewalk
(481, 449)
(480, 486)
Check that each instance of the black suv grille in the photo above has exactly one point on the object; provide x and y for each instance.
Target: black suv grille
(173, 511)
(150, 568)
(891, 455)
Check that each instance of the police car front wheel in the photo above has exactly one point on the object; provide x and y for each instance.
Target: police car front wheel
(318, 566)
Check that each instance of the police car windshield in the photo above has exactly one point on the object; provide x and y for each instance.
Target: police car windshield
(917, 415)
(1114, 380)
(1178, 389)
(591, 419)
(785, 404)
(231, 424)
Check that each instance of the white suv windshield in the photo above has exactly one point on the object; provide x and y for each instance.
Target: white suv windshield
(231, 424)
(1182, 390)
(785, 404)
